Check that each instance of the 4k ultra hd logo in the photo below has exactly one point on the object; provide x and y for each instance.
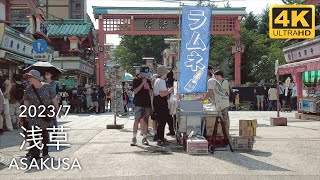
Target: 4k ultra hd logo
(292, 21)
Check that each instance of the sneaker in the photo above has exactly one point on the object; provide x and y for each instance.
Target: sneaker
(134, 141)
(171, 134)
(145, 141)
(155, 138)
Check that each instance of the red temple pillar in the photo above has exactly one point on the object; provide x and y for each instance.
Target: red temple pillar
(237, 55)
(7, 6)
(100, 62)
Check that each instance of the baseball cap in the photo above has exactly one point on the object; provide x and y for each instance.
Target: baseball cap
(145, 71)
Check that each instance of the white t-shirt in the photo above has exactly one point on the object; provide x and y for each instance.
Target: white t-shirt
(272, 94)
(220, 99)
(159, 85)
(225, 86)
(294, 91)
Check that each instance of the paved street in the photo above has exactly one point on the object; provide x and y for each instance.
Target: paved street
(290, 152)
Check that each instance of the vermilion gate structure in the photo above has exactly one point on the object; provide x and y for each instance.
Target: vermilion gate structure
(163, 21)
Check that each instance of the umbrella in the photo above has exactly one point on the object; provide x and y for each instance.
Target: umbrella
(127, 77)
(43, 67)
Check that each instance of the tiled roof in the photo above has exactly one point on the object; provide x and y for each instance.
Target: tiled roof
(63, 28)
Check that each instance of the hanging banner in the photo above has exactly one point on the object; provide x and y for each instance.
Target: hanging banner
(195, 49)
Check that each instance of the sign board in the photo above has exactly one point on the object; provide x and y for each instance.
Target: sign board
(306, 50)
(292, 21)
(153, 24)
(40, 46)
(195, 49)
(43, 56)
(86, 68)
(15, 45)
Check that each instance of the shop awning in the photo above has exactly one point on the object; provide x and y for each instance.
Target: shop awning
(299, 67)
(311, 76)
(16, 57)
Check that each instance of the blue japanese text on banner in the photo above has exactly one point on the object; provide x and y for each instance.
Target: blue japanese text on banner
(195, 49)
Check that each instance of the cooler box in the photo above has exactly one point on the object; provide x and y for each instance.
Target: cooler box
(197, 145)
(190, 117)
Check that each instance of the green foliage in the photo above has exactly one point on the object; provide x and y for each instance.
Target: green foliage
(263, 27)
(250, 22)
(133, 48)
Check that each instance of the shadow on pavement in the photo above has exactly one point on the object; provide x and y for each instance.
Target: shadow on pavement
(260, 153)
(247, 162)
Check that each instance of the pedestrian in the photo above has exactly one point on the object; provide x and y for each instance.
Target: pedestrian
(170, 121)
(272, 97)
(15, 101)
(130, 98)
(94, 97)
(237, 100)
(160, 103)
(125, 99)
(108, 103)
(55, 89)
(101, 100)
(218, 98)
(44, 91)
(294, 97)
(1, 110)
(79, 103)
(88, 92)
(64, 95)
(260, 95)
(7, 85)
(281, 93)
(142, 101)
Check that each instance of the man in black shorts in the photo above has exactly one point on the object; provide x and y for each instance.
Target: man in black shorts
(142, 101)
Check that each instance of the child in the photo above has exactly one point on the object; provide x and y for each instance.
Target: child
(237, 101)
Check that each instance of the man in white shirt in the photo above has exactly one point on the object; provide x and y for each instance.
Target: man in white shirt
(294, 97)
(219, 99)
(272, 97)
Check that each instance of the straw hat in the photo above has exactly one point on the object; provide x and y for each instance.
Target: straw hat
(162, 70)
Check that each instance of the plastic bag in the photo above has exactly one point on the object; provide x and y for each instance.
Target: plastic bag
(173, 104)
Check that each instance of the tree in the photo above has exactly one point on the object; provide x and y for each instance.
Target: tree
(250, 22)
(263, 26)
(133, 48)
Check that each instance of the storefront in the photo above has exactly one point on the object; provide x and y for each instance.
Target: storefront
(16, 50)
(77, 71)
(304, 64)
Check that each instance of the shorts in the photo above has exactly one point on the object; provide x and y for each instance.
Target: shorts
(95, 104)
(260, 98)
(142, 112)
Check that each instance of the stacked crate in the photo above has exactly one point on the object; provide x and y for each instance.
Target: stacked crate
(247, 132)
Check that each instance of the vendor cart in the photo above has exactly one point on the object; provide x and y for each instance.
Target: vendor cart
(190, 118)
(310, 105)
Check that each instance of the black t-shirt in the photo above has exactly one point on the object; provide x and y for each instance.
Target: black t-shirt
(142, 98)
(94, 96)
(260, 90)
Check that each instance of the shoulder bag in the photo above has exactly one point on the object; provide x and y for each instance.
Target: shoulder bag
(46, 112)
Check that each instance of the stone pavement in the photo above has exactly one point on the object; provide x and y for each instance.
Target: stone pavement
(290, 152)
